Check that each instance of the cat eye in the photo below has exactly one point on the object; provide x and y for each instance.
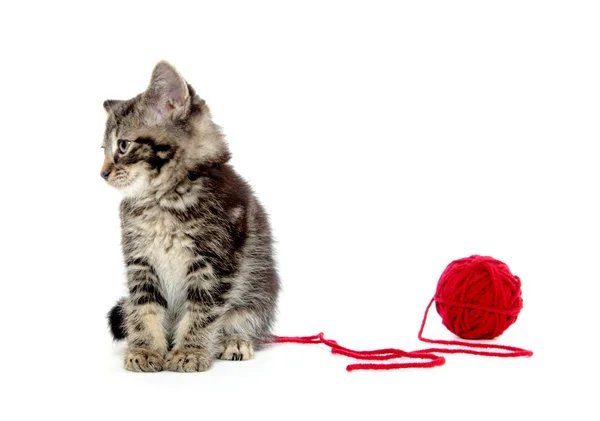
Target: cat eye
(123, 145)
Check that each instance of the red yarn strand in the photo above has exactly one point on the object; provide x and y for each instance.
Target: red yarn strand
(373, 355)
(477, 298)
(393, 353)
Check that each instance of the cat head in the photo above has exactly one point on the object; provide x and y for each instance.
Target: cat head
(159, 136)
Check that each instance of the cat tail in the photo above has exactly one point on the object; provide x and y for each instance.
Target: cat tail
(115, 321)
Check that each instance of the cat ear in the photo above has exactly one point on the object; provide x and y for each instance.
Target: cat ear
(167, 95)
(110, 104)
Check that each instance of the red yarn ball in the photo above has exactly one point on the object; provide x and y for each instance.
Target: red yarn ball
(478, 297)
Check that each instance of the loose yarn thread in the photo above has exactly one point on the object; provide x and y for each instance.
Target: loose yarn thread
(373, 355)
(477, 298)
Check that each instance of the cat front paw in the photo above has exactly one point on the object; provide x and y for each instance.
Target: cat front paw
(188, 360)
(138, 359)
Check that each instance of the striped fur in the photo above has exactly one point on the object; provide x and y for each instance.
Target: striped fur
(196, 242)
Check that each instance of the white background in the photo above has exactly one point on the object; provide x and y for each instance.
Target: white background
(385, 140)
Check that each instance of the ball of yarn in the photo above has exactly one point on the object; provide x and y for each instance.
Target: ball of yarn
(478, 297)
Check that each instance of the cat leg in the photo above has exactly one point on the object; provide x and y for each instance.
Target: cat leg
(197, 332)
(194, 340)
(242, 331)
(145, 312)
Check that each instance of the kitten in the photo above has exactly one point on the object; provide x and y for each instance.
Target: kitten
(196, 242)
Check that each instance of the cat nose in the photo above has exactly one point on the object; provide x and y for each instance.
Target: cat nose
(104, 174)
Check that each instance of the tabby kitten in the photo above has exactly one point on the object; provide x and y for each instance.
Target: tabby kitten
(196, 242)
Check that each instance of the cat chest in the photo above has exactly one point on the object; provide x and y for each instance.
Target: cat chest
(169, 251)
